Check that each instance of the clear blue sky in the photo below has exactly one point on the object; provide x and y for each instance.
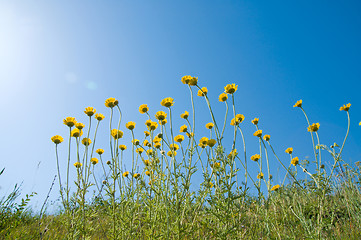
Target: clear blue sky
(56, 58)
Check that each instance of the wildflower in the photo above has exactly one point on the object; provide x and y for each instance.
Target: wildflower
(210, 184)
(90, 111)
(233, 153)
(267, 137)
(125, 174)
(209, 125)
(163, 122)
(179, 138)
(150, 152)
(76, 133)
(157, 145)
(146, 162)
(298, 103)
(193, 81)
(183, 128)
(203, 140)
(153, 126)
(202, 145)
(135, 142)
(79, 125)
(172, 153)
(294, 161)
(108, 162)
(345, 107)
(313, 127)
(258, 133)
(147, 173)
(116, 133)
(122, 147)
(211, 142)
(148, 123)
(146, 133)
(359, 123)
(146, 143)
(160, 136)
(222, 97)
(139, 150)
(289, 150)
(57, 139)
(186, 79)
(99, 151)
(77, 164)
(94, 161)
(167, 102)
(237, 120)
(160, 115)
(157, 139)
(86, 141)
(255, 157)
(185, 115)
(136, 175)
(190, 134)
(203, 92)
(260, 175)
(255, 121)
(230, 88)
(275, 187)
(143, 108)
(69, 121)
(173, 147)
(99, 116)
(130, 125)
(111, 102)
(216, 165)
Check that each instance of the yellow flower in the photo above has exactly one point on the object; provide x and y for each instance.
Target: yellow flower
(190, 134)
(116, 133)
(163, 122)
(237, 120)
(57, 139)
(99, 116)
(183, 128)
(86, 141)
(216, 165)
(125, 174)
(345, 107)
(202, 145)
(203, 92)
(167, 102)
(69, 121)
(143, 108)
(193, 81)
(153, 126)
(157, 145)
(258, 133)
(146, 133)
(211, 142)
(146, 162)
(77, 164)
(135, 142)
(90, 111)
(146, 143)
(94, 161)
(298, 103)
(267, 137)
(203, 141)
(359, 123)
(209, 125)
(179, 138)
(185, 115)
(172, 154)
(139, 150)
(260, 176)
(99, 151)
(255, 121)
(111, 102)
(147, 173)
(148, 123)
(157, 139)
(122, 147)
(233, 153)
(76, 133)
(289, 150)
(130, 125)
(79, 125)
(173, 147)
(255, 157)
(186, 79)
(314, 127)
(230, 88)
(136, 175)
(160, 115)
(223, 97)
(294, 161)
(275, 187)
(150, 152)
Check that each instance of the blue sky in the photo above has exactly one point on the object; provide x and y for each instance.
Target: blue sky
(56, 58)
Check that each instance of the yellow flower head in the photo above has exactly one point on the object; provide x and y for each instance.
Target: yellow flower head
(345, 107)
(211, 142)
(275, 187)
(255, 157)
(203, 92)
(167, 102)
(163, 122)
(130, 125)
(359, 123)
(173, 147)
(111, 102)
(230, 88)
(100, 151)
(99, 116)
(77, 164)
(79, 125)
(147, 173)
(183, 128)
(57, 139)
(148, 123)
(150, 152)
(294, 161)
(186, 79)
(90, 111)
(146, 133)
(157, 145)
(314, 127)
(223, 97)
(125, 174)
(289, 150)
(153, 126)
(202, 145)
(258, 133)
(216, 165)
(233, 153)
(146, 143)
(76, 133)
(172, 154)
(135, 142)
(122, 147)
(157, 139)
(143, 108)
(139, 150)
(116, 133)
(86, 141)
(260, 176)
(179, 138)
(255, 121)
(298, 103)
(94, 161)
(267, 137)
(160, 115)
(185, 115)
(237, 120)
(209, 125)
(203, 140)
(69, 121)
(193, 81)
(191, 134)
(136, 175)
(146, 162)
